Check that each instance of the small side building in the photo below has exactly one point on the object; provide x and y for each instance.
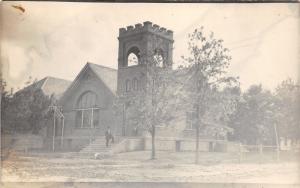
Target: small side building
(24, 141)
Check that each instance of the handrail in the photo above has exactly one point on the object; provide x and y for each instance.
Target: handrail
(57, 111)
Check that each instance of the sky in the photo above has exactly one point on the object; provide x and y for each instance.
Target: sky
(58, 39)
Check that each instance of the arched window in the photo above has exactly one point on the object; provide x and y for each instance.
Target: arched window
(87, 110)
(158, 58)
(127, 85)
(133, 56)
(87, 100)
(135, 85)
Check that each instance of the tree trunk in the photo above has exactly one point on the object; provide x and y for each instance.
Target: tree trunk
(197, 135)
(197, 145)
(153, 142)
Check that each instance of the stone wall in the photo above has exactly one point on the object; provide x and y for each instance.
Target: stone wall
(129, 144)
(22, 142)
(175, 144)
(184, 144)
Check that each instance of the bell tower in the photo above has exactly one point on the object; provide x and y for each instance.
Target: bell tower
(136, 44)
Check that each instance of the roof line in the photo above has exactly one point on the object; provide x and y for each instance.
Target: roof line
(57, 78)
(101, 66)
(74, 82)
(114, 93)
(46, 79)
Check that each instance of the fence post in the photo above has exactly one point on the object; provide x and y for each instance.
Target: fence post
(260, 152)
(277, 153)
(240, 152)
(62, 133)
(277, 141)
(53, 139)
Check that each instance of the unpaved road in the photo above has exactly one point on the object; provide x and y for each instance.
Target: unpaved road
(136, 167)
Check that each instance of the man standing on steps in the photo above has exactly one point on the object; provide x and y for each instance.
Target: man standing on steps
(108, 136)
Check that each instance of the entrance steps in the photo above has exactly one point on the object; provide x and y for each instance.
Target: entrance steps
(98, 146)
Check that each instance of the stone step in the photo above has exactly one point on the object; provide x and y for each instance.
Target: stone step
(85, 155)
(98, 149)
(96, 143)
(95, 149)
(85, 149)
(98, 146)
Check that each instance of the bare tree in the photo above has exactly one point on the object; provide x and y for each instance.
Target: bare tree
(207, 65)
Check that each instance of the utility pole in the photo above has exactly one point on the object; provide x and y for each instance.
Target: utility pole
(277, 142)
(197, 134)
(53, 139)
(152, 121)
(62, 132)
(198, 86)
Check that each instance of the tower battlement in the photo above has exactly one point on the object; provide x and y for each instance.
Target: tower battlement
(146, 27)
(138, 41)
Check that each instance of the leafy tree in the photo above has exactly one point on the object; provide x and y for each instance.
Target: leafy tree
(287, 109)
(207, 64)
(6, 98)
(221, 106)
(26, 110)
(253, 122)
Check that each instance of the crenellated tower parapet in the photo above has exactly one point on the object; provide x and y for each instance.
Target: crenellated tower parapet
(146, 27)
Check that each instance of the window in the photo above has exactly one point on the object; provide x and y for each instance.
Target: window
(86, 118)
(87, 111)
(87, 100)
(190, 120)
(79, 123)
(96, 115)
(127, 85)
(135, 84)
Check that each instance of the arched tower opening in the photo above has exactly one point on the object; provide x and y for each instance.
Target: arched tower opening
(133, 57)
(158, 58)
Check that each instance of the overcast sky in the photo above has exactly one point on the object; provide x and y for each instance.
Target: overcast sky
(57, 39)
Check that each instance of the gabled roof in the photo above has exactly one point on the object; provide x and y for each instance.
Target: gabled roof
(56, 86)
(50, 85)
(107, 75)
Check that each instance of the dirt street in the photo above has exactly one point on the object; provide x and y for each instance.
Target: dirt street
(136, 167)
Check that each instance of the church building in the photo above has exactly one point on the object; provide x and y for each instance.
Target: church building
(87, 106)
